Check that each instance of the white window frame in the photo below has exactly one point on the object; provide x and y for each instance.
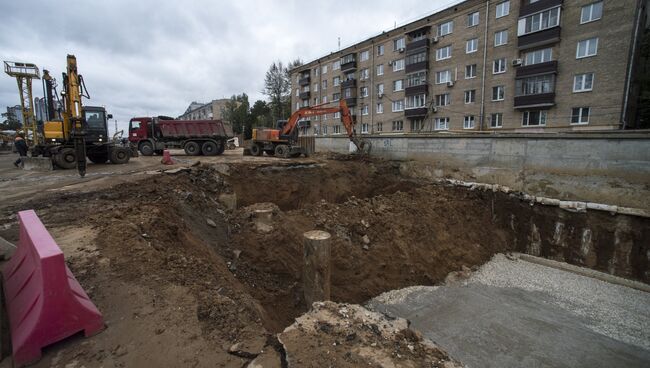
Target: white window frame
(471, 43)
(336, 65)
(324, 86)
(364, 110)
(379, 108)
(401, 84)
(397, 106)
(590, 8)
(501, 62)
(581, 115)
(364, 74)
(503, 8)
(364, 91)
(443, 97)
(364, 128)
(315, 87)
(398, 126)
(443, 53)
(543, 116)
(583, 82)
(380, 50)
(446, 28)
(364, 55)
(324, 69)
(447, 79)
(470, 93)
(441, 124)
(473, 67)
(334, 81)
(538, 56)
(587, 46)
(469, 122)
(473, 19)
(398, 65)
(503, 94)
(502, 38)
(415, 101)
(496, 120)
(521, 25)
(380, 69)
(398, 44)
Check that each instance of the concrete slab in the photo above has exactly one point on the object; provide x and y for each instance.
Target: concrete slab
(484, 325)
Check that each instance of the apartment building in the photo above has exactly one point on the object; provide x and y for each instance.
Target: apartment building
(205, 111)
(512, 66)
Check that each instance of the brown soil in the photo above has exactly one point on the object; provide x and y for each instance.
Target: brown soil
(175, 272)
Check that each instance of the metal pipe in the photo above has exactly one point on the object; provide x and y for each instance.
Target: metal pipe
(485, 40)
(631, 67)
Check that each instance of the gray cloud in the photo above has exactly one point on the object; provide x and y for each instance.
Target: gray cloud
(155, 57)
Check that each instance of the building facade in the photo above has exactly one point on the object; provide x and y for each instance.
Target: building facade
(205, 111)
(514, 65)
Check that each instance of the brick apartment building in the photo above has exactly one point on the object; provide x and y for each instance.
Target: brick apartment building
(205, 111)
(515, 66)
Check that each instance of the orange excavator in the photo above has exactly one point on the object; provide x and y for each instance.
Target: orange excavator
(283, 142)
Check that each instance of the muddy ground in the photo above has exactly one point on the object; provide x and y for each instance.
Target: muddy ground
(181, 277)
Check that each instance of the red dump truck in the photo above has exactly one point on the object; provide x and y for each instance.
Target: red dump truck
(152, 135)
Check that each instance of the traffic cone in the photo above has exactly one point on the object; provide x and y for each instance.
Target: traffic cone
(167, 158)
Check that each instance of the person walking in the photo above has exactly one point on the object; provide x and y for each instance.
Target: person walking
(21, 147)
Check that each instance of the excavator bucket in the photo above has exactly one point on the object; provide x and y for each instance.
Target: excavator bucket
(37, 163)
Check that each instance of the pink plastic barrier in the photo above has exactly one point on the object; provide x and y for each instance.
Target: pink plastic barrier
(45, 303)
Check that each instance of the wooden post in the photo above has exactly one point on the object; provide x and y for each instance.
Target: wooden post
(317, 251)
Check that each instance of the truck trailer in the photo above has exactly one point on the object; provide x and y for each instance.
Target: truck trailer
(151, 135)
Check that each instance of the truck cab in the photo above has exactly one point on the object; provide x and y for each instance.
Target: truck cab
(138, 129)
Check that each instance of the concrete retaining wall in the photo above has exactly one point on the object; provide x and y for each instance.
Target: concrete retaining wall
(611, 168)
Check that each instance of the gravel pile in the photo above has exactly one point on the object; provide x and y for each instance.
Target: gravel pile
(616, 311)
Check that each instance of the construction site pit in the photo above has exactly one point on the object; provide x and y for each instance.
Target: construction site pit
(178, 258)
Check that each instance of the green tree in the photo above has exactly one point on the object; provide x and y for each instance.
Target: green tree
(261, 114)
(277, 86)
(10, 122)
(237, 113)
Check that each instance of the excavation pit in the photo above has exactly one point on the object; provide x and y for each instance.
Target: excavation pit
(244, 281)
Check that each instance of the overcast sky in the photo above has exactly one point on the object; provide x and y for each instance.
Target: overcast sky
(145, 57)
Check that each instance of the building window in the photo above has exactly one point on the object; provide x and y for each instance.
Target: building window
(470, 71)
(398, 65)
(398, 126)
(325, 99)
(472, 19)
(496, 120)
(471, 45)
(416, 125)
(442, 124)
(470, 96)
(347, 93)
(446, 28)
(468, 122)
(398, 105)
(364, 91)
(580, 115)
(297, 92)
(583, 82)
(398, 44)
(591, 12)
(443, 76)
(498, 93)
(365, 55)
(499, 66)
(336, 97)
(380, 50)
(535, 85)
(337, 115)
(364, 74)
(316, 71)
(325, 84)
(539, 21)
(324, 129)
(315, 87)
(443, 53)
(336, 81)
(364, 110)
(503, 9)
(348, 58)
(336, 65)
(398, 85)
(500, 38)
(587, 48)
(316, 100)
(538, 56)
(337, 129)
(380, 69)
(416, 101)
(533, 118)
(416, 58)
(443, 99)
(324, 69)
(380, 89)
(364, 128)
(380, 108)
(297, 105)
(416, 79)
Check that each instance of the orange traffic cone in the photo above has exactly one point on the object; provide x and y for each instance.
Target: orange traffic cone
(167, 158)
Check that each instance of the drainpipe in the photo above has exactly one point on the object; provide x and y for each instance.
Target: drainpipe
(485, 43)
(630, 70)
(371, 89)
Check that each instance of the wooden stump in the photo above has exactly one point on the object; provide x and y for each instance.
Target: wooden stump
(317, 251)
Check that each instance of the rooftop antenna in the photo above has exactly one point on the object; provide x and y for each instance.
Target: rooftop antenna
(395, 24)
(339, 43)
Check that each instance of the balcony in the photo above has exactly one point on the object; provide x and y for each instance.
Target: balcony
(305, 95)
(417, 45)
(527, 8)
(349, 83)
(350, 65)
(410, 68)
(416, 90)
(416, 112)
(537, 69)
(304, 80)
(352, 101)
(543, 100)
(545, 37)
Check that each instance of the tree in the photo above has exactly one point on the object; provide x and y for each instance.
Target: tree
(277, 85)
(261, 114)
(10, 122)
(237, 112)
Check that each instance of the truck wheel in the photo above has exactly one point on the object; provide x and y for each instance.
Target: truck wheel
(119, 155)
(192, 148)
(221, 146)
(209, 148)
(146, 148)
(66, 158)
(256, 150)
(98, 158)
(282, 150)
